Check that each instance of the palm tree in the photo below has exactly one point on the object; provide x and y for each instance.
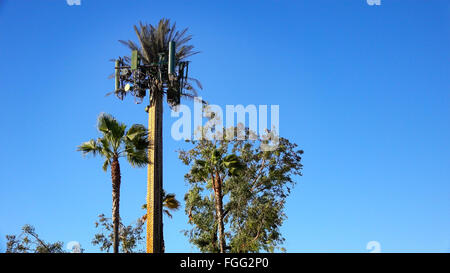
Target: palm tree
(153, 43)
(114, 143)
(216, 168)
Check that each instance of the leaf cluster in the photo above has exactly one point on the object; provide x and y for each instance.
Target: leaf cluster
(30, 242)
(117, 142)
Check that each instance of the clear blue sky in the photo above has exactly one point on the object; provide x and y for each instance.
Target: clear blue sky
(364, 90)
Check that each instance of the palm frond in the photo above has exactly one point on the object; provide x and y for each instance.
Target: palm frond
(137, 158)
(136, 131)
(106, 147)
(108, 125)
(90, 147)
(197, 82)
(151, 42)
(168, 213)
(170, 202)
(106, 164)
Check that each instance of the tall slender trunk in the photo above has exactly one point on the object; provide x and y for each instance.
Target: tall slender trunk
(115, 175)
(219, 211)
(154, 180)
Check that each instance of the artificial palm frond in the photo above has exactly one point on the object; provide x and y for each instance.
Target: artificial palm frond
(152, 41)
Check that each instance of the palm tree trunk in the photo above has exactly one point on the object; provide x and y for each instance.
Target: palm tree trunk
(154, 182)
(219, 212)
(115, 175)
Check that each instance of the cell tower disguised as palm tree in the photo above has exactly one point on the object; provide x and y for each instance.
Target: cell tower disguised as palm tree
(157, 65)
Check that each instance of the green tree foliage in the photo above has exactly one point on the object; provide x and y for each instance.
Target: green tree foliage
(130, 237)
(30, 242)
(253, 185)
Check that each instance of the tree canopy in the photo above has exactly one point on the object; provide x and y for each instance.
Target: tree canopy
(253, 199)
(29, 242)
